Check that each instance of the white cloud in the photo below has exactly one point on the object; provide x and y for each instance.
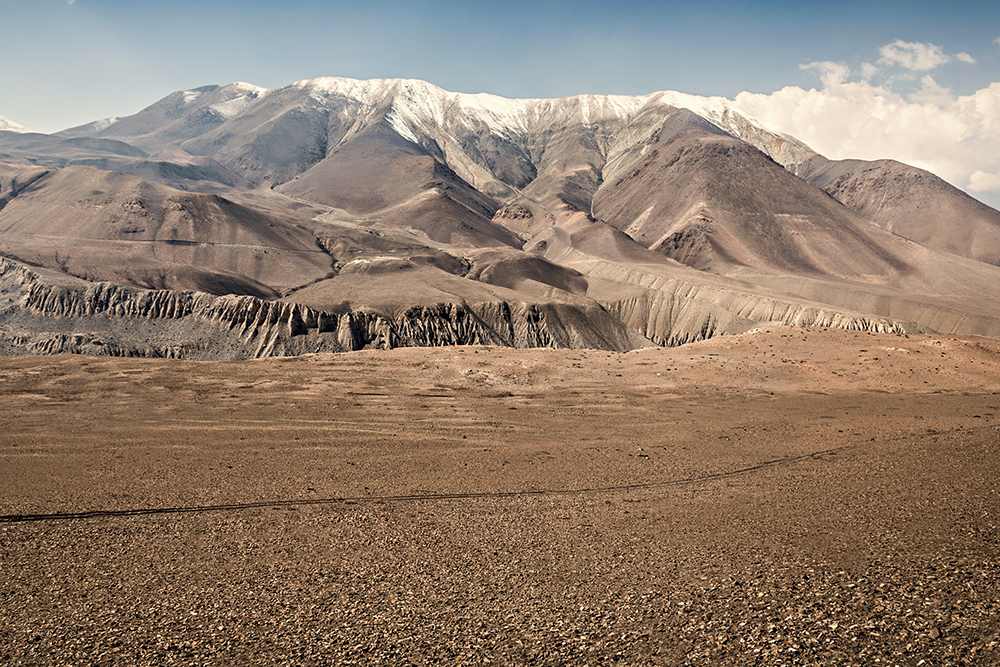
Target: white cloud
(912, 55)
(868, 71)
(955, 137)
(919, 57)
(980, 181)
(831, 74)
(931, 92)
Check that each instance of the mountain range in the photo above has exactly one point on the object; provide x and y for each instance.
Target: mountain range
(334, 214)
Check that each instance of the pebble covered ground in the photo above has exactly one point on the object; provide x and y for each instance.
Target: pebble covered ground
(664, 507)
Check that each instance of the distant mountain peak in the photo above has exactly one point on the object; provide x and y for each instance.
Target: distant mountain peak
(7, 125)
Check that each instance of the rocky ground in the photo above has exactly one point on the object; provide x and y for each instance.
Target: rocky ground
(784, 497)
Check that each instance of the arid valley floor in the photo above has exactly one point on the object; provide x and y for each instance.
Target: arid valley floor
(786, 496)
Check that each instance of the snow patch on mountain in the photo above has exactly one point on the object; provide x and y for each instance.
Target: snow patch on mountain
(104, 123)
(243, 95)
(499, 113)
(368, 92)
(714, 109)
(402, 129)
(595, 108)
(249, 88)
(7, 125)
(189, 96)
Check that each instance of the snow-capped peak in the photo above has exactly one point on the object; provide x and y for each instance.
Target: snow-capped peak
(416, 109)
(99, 125)
(237, 97)
(248, 88)
(414, 105)
(7, 125)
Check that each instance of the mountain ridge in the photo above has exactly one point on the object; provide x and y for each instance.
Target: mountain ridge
(411, 104)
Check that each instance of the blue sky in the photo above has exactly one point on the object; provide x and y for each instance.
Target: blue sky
(69, 62)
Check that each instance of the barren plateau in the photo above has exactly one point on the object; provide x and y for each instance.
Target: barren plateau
(787, 496)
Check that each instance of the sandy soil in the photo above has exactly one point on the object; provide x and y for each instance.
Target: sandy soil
(787, 496)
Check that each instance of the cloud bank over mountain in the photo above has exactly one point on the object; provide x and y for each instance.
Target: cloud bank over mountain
(894, 108)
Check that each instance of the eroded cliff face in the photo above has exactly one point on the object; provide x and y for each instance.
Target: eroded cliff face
(668, 318)
(671, 311)
(43, 316)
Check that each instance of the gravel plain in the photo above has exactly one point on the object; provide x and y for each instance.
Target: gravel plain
(785, 497)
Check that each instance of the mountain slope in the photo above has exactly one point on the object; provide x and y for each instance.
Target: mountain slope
(105, 225)
(714, 202)
(177, 170)
(381, 175)
(913, 203)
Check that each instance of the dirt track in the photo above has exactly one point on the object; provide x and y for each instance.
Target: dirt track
(783, 497)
